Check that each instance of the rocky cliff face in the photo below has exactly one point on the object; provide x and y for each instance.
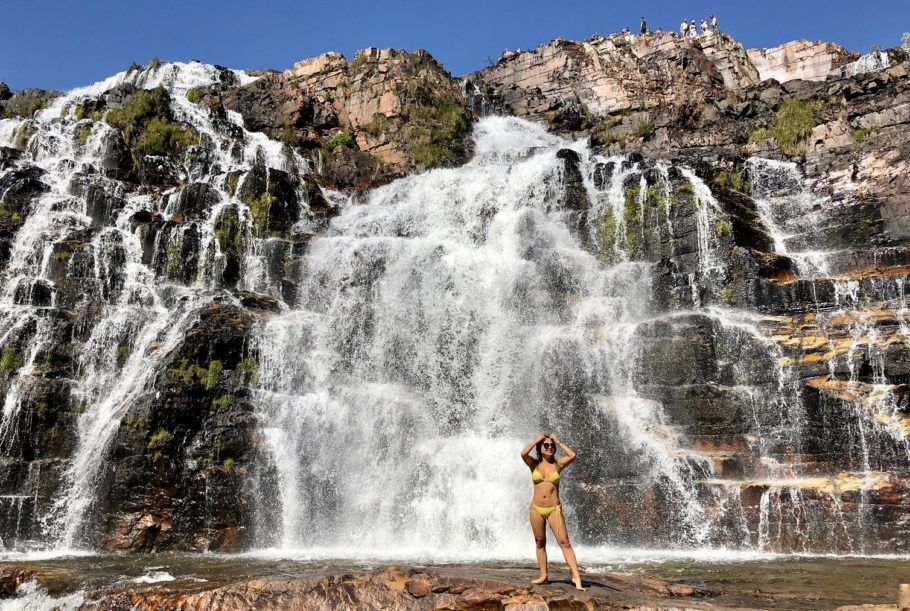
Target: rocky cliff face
(710, 277)
(799, 60)
(379, 116)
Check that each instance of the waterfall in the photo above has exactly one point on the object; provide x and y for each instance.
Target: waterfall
(144, 316)
(443, 323)
(440, 322)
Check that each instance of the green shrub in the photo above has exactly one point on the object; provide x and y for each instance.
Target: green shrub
(223, 402)
(213, 374)
(434, 131)
(341, 139)
(231, 181)
(24, 134)
(793, 124)
(377, 124)
(140, 106)
(123, 353)
(154, 64)
(685, 188)
(723, 228)
(250, 369)
(195, 94)
(162, 138)
(174, 258)
(603, 134)
(84, 134)
(860, 134)
(727, 294)
(228, 231)
(228, 465)
(643, 129)
(259, 209)
(62, 256)
(187, 372)
(795, 121)
(6, 213)
(732, 180)
(159, 439)
(10, 359)
(145, 120)
(606, 234)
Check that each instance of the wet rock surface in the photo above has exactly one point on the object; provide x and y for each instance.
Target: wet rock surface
(401, 588)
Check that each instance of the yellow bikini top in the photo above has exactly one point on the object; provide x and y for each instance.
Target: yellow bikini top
(536, 476)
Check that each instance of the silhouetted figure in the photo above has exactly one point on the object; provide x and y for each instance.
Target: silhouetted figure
(644, 26)
(713, 22)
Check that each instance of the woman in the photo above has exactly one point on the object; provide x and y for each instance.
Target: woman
(545, 508)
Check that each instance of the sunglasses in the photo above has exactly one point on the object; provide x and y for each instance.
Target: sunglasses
(548, 445)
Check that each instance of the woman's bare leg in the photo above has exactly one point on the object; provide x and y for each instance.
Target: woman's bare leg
(539, 527)
(558, 526)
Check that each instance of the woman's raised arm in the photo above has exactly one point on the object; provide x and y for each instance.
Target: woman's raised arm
(566, 460)
(526, 453)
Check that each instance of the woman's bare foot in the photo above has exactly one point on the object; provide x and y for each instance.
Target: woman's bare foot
(540, 580)
(577, 581)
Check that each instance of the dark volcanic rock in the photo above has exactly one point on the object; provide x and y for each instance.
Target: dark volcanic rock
(174, 478)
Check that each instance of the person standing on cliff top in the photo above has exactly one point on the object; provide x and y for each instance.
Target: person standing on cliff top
(684, 28)
(704, 26)
(644, 26)
(714, 22)
(693, 30)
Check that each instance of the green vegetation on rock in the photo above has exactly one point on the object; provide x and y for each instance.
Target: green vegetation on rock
(145, 120)
(685, 188)
(250, 369)
(195, 94)
(186, 372)
(606, 235)
(259, 209)
(23, 134)
(228, 232)
(342, 139)
(10, 359)
(160, 438)
(6, 213)
(732, 180)
(793, 124)
(213, 375)
(123, 353)
(377, 124)
(435, 131)
(223, 402)
(643, 129)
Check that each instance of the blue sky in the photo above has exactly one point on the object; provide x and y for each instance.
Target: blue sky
(61, 44)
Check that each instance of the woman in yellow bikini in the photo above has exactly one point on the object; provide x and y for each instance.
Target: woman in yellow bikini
(545, 508)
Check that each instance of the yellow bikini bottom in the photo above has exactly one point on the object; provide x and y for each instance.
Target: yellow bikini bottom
(545, 511)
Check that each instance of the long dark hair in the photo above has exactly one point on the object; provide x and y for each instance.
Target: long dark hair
(540, 454)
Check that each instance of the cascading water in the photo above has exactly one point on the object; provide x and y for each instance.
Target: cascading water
(144, 315)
